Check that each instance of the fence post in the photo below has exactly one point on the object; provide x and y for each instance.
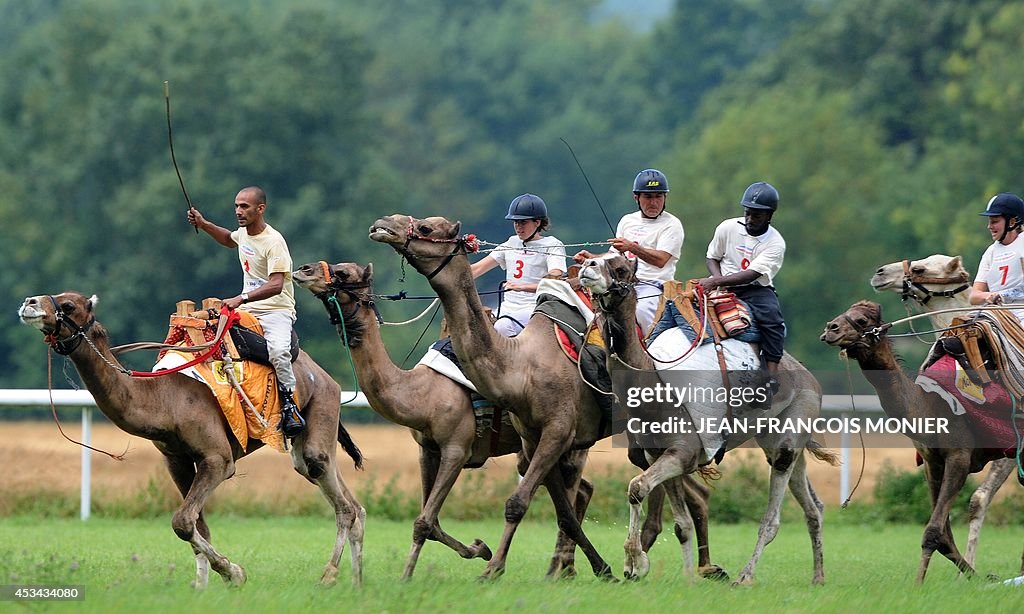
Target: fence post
(86, 499)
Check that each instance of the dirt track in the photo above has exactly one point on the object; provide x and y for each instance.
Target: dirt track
(36, 458)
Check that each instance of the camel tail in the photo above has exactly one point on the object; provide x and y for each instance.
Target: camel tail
(822, 453)
(349, 445)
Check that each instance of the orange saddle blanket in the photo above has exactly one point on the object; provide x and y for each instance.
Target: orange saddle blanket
(257, 382)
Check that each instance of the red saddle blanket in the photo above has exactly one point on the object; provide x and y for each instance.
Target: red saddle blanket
(989, 407)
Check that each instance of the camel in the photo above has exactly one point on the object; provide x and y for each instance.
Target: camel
(937, 283)
(948, 458)
(184, 421)
(610, 279)
(552, 409)
(445, 428)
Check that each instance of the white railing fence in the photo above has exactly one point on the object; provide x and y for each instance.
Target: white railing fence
(842, 404)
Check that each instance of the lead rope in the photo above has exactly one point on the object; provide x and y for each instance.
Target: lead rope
(863, 449)
(348, 351)
(53, 410)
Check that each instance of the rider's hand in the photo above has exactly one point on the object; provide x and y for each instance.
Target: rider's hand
(195, 218)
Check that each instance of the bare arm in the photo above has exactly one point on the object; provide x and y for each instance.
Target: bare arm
(483, 265)
(219, 234)
(273, 287)
(717, 280)
(653, 257)
(981, 296)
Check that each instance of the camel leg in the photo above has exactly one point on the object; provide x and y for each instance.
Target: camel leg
(183, 472)
(783, 462)
(438, 473)
(317, 463)
(550, 447)
(667, 466)
(944, 485)
(570, 525)
(681, 515)
(998, 473)
(654, 522)
(580, 490)
(696, 499)
(804, 494)
(209, 473)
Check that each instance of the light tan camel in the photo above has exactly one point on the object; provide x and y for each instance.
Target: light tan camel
(444, 428)
(184, 421)
(938, 283)
(611, 279)
(552, 409)
(948, 458)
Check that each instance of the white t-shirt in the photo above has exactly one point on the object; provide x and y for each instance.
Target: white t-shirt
(527, 264)
(260, 255)
(738, 251)
(663, 233)
(1001, 266)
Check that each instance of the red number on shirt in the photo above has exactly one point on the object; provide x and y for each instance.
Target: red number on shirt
(518, 274)
(1005, 269)
(744, 264)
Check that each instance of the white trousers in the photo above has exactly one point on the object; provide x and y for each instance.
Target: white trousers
(277, 329)
(648, 295)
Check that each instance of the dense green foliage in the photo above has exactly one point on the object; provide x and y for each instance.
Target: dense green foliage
(886, 125)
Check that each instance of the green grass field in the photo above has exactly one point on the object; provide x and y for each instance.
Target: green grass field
(139, 565)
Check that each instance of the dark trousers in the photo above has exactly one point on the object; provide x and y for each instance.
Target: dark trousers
(764, 306)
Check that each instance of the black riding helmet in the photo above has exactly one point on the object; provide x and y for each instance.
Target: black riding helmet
(762, 196)
(1008, 205)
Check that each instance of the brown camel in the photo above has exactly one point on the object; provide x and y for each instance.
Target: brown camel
(184, 421)
(938, 283)
(611, 280)
(445, 428)
(948, 458)
(552, 409)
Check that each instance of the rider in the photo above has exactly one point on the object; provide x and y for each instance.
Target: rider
(527, 257)
(745, 255)
(267, 288)
(650, 236)
(1000, 275)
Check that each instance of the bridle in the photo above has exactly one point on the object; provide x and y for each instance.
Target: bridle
(913, 282)
(874, 332)
(336, 286)
(69, 344)
(466, 244)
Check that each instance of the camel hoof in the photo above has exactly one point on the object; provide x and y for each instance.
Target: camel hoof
(559, 572)
(236, 575)
(636, 566)
(743, 581)
(713, 572)
(482, 551)
(330, 575)
(818, 581)
(606, 575)
(491, 575)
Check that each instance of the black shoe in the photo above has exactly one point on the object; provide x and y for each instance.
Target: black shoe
(771, 387)
(292, 421)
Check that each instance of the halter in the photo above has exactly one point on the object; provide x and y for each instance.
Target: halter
(70, 344)
(912, 282)
(336, 286)
(875, 332)
(464, 244)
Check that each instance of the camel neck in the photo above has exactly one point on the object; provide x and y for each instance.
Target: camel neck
(898, 395)
(621, 334)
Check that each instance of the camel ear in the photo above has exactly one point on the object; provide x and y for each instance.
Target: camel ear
(368, 273)
(955, 263)
(93, 300)
(458, 228)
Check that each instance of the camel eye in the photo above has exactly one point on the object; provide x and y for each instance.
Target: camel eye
(862, 321)
(918, 270)
(67, 307)
(425, 230)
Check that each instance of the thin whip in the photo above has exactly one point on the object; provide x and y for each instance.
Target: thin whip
(170, 143)
(587, 179)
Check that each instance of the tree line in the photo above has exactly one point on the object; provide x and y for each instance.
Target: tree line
(885, 125)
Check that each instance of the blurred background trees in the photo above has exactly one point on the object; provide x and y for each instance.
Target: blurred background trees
(885, 125)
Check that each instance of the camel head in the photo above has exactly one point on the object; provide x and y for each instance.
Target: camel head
(608, 277)
(321, 278)
(936, 275)
(63, 318)
(429, 244)
(856, 328)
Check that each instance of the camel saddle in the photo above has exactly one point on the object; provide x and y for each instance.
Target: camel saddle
(989, 346)
(728, 316)
(245, 388)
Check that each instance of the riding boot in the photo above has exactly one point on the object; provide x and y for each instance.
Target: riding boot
(292, 421)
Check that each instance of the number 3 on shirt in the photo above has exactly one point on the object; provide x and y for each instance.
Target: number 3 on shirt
(518, 273)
